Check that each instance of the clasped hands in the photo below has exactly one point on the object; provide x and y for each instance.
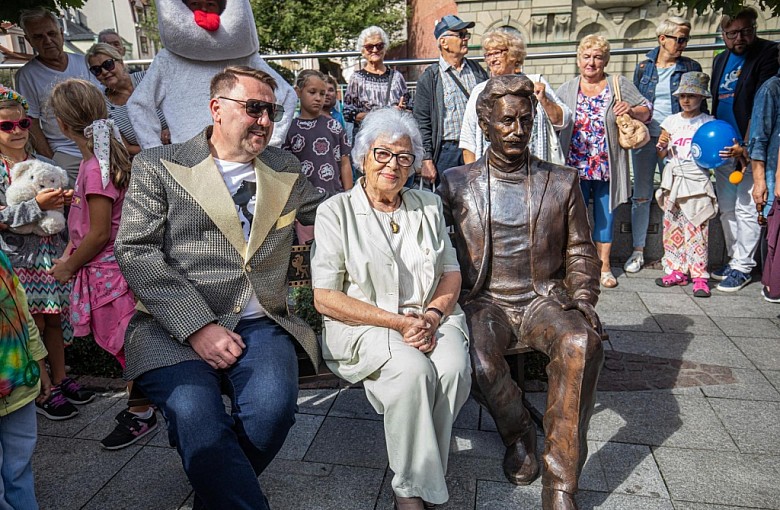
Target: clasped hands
(419, 330)
(217, 346)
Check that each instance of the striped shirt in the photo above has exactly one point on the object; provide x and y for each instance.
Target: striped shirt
(119, 113)
(454, 99)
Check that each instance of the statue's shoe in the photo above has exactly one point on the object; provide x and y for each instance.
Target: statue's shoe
(557, 500)
(520, 464)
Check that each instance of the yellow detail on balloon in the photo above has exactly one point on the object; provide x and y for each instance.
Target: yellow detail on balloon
(735, 177)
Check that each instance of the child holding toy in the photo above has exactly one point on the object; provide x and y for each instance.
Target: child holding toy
(686, 194)
(32, 256)
(101, 303)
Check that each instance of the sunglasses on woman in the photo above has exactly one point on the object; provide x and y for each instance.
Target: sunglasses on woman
(255, 108)
(9, 125)
(107, 64)
(374, 47)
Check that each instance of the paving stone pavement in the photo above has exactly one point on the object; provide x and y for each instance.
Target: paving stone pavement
(687, 418)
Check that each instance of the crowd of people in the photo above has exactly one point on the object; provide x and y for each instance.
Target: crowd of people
(168, 263)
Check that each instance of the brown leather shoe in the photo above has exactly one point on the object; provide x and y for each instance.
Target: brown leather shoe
(557, 500)
(400, 503)
(520, 464)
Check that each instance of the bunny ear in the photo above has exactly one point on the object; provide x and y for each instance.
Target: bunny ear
(20, 169)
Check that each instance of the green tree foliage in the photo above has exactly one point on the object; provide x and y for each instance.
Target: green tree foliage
(729, 7)
(9, 9)
(321, 25)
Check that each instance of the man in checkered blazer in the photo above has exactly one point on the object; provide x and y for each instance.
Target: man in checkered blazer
(204, 243)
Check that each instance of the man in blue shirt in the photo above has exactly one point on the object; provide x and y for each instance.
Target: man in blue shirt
(737, 74)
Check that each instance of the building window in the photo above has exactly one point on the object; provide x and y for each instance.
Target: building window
(22, 44)
(144, 44)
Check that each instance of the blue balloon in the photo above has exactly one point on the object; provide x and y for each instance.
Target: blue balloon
(709, 139)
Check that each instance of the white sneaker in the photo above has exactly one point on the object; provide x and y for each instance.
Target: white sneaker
(634, 263)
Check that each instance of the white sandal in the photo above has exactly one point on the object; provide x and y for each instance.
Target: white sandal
(608, 280)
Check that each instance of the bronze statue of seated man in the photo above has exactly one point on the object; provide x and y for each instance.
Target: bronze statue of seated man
(530, 275)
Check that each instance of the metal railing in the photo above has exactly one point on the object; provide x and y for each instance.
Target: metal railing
(550, 55)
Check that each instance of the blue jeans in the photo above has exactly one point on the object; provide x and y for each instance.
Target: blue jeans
(602, 216)
(645, 162)
(18, 434)
(450, 155)
(224, 453)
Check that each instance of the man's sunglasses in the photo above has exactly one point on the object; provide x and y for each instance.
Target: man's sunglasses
(107, 64)
(255, 108)
(9, 125)
(460, 35)
(374, 47)
(678, 40)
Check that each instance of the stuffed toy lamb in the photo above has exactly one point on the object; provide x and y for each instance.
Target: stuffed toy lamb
(29, 178)
(196, 47)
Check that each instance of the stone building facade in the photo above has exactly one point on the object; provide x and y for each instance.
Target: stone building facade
(550, 26)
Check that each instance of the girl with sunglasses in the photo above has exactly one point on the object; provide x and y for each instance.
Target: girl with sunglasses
(101, 303)
(32, 257)
(106, 64)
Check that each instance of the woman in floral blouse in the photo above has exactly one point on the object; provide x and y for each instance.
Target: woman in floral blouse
(591, 142)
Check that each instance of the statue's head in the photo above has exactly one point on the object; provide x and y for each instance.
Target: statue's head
(506, 109)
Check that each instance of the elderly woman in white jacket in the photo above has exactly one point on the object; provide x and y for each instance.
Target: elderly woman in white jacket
(387, 280)
(505, 52)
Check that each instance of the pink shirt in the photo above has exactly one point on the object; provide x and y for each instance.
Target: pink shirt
(89, 183)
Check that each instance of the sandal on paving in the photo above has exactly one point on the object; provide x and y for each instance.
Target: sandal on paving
(608, 280)
(701, 288)
(670, 280)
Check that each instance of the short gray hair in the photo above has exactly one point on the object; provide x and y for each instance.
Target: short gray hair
(392, 123)
(28, 15)
(369, 32)
(671, 24)
(106, 31)
(102, 49)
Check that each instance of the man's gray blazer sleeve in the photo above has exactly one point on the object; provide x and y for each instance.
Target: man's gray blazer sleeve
(168, 296)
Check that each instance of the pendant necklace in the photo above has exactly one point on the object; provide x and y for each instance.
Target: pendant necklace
(395, 227)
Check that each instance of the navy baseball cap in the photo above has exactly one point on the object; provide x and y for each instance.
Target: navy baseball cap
(452, 23)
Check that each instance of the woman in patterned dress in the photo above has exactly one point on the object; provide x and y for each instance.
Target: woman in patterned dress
(591, 142)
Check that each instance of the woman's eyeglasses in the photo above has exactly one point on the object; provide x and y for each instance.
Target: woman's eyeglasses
(107, 65)
(9, 125)
(745, 32)
(374, 47)
(404, 159)
(678, 40)
(255, 108)
(494, 54)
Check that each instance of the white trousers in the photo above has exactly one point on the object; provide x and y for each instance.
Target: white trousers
(738, 217)
(420, 396)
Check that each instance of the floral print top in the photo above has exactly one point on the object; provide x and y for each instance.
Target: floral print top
(588, 150)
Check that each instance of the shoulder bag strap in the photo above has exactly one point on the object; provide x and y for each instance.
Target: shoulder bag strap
(458, 82)
(616, 86)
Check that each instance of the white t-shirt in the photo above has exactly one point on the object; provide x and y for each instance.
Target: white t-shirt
(35, 82)
(241, 182)
(681, 131)
(662, 106)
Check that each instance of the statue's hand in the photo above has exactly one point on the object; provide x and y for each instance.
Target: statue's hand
(586, 309)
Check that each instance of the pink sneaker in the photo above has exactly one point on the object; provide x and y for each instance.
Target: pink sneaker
(670, 280)
(700, 287)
